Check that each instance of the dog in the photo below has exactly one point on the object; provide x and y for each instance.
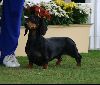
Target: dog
(41, 50)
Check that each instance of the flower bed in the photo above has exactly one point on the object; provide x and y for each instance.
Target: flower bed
(64, 13)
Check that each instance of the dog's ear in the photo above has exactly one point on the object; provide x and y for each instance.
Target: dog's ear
(25, 24)
(26, 18)
(26, 29)
(43, 26)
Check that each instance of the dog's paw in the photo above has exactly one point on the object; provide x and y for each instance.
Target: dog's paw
(78, 64)
(58, 62)
(45, 66)
(29, 66)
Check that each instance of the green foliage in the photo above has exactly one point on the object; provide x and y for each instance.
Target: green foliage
(22, 19)
(79, 16)
(60, 21)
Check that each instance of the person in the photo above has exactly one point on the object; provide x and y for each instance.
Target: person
(10, 31)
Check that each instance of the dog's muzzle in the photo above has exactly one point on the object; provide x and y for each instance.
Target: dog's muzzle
(32, 26)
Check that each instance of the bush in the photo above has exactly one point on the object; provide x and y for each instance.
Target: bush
(79, 17)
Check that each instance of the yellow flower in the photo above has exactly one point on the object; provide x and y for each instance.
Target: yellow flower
(59, 2)
(64, 4)
(72, 4)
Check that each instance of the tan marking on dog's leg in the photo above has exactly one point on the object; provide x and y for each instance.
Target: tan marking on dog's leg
(45, 66)
(30, 65)
(58, 62)
(78, 64)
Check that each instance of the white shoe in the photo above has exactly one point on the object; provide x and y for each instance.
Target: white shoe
(10, 61)
(16, 61)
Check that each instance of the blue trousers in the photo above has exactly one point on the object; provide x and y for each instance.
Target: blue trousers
(10, 26)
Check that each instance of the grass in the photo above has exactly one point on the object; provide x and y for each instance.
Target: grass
(66, 73)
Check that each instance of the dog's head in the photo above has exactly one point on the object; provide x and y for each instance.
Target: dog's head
(30, 24)
(35, 24)
(37, 20)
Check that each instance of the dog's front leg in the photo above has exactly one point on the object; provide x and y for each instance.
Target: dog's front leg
(30, 65)
(44, 53)
(45, 64)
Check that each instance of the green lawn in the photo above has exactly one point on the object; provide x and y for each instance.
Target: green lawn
(66, 73)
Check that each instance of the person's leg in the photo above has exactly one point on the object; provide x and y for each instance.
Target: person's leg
(0, 36)
(0, 29)
(0, 40)
(11, 21)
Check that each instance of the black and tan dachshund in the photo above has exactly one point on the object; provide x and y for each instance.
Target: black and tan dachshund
(41, 50)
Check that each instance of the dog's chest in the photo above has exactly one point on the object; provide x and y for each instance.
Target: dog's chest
(36, 50)
(37, 53)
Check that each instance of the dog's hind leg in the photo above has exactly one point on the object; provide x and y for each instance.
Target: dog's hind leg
(78, 59)
(75, 54)
(59, 59)
(45, 66)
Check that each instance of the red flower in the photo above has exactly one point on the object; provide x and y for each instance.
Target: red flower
(41, 12)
